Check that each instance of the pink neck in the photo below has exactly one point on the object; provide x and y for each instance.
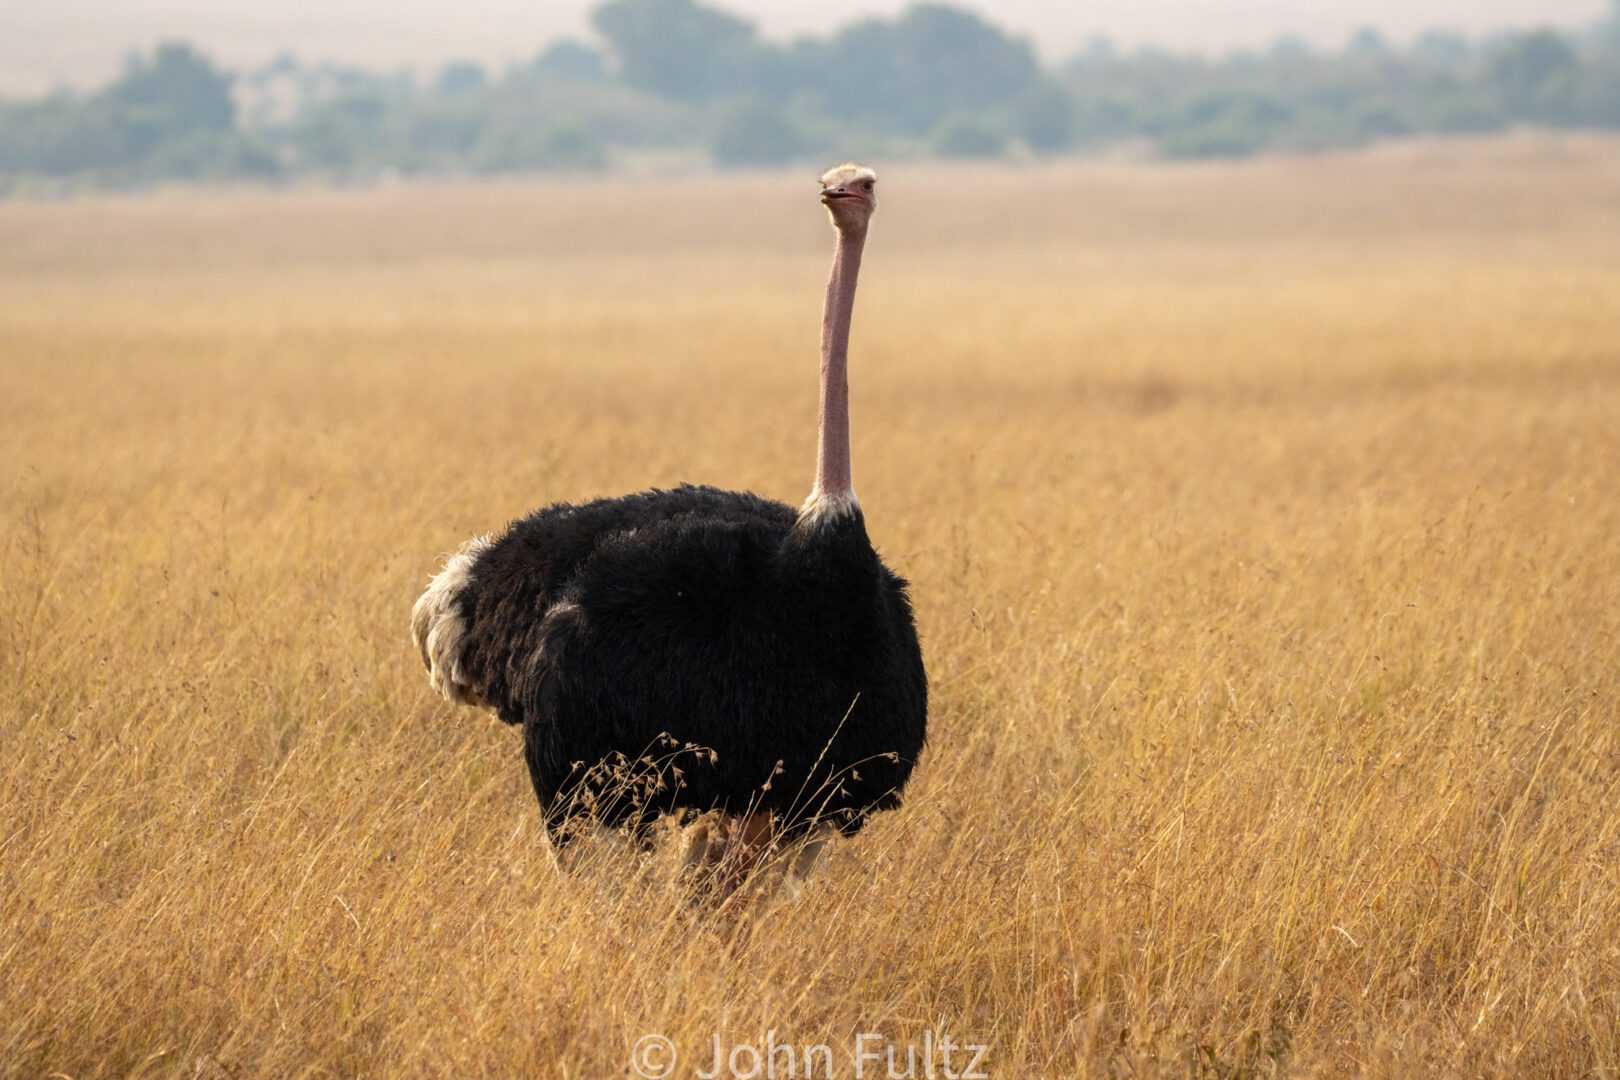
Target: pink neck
(832, 458)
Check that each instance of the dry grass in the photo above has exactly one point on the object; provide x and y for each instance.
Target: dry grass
(1263, 520)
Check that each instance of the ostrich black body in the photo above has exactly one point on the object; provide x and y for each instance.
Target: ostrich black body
(715, 618)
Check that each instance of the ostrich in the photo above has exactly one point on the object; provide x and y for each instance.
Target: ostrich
(762, 662)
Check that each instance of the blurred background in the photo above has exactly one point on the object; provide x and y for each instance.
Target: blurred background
(125, 95)
(1236, 381)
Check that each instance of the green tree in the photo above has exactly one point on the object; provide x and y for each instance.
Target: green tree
(341, 133)
(443, 133)
(1368, 44)
(179, 88)
(556, 148)
(907, 75)
(1046, 118)
(968, 137)
(1466, 112)
(88, 136)
(757, 133)
(570, 61)
(1607, 33)
(679, 48)
(461, 77)
(1102, 117)
(1599, 103)
(1225, 124)
(1377, 119)
(1535, 76)
(1441, 47)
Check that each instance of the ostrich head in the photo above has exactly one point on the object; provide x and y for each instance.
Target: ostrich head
(849, 192)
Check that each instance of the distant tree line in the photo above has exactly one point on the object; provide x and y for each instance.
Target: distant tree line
(683, 81)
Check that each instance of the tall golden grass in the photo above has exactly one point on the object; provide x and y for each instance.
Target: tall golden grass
(1264, 525)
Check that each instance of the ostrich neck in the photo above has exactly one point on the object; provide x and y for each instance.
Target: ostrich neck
(832, 457)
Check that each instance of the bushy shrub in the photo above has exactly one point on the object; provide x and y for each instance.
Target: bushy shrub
(757, 133)
(968, 137)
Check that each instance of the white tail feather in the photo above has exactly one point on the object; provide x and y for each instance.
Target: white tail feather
(438, 629)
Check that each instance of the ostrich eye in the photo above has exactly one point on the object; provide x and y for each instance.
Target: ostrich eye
(869, 185)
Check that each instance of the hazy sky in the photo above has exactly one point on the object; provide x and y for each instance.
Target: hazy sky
(44, 42)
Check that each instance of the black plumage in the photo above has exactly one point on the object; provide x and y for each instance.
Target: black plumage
(719, 619)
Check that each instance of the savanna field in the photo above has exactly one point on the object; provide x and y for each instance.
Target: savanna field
(1264, 526)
